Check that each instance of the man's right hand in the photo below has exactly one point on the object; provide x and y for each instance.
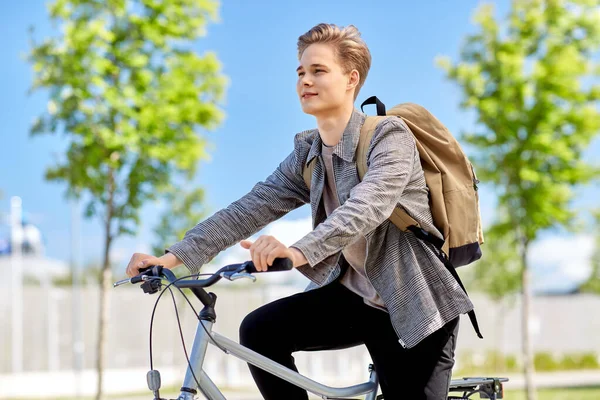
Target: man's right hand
(140, 260)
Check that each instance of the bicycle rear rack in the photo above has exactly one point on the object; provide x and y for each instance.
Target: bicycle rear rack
(488, 388)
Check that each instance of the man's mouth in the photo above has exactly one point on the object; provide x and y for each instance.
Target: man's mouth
(308, 95)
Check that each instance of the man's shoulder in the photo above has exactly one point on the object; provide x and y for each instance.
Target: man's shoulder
(393, 124)
(303, 141)
(390, 123)
(307, 136)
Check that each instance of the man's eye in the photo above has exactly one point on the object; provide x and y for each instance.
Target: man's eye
(300, 73)
(319, 70)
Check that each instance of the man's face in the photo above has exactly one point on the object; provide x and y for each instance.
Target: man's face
(322, 85)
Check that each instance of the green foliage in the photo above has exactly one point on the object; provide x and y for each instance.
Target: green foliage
(130, 94)
(545, 362)
(579, 361)
(565, 362)
(533, 84)
(184, 210)
(494, 362)
(498, 273)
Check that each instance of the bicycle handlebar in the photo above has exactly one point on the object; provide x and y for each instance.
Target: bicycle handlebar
(229, 272)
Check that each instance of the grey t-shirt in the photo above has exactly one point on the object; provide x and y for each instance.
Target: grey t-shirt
(355, 277)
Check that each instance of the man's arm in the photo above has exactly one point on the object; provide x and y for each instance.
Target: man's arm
(283, 191)
(390, 159)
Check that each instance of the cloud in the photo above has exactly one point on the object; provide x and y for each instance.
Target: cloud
(287, 232)
(561, 262)
(122, 254)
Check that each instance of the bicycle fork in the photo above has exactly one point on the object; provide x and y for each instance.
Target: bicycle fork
(195, 377)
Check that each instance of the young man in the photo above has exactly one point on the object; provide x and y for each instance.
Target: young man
(374, 284)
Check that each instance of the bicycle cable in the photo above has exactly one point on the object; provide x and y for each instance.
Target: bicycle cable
(156, 304)
(187, 358)
(224, 350)
(178, 321)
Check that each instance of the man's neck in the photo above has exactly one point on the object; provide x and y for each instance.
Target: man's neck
(332, 126)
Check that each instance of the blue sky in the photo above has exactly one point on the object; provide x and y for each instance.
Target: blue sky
(256, 43)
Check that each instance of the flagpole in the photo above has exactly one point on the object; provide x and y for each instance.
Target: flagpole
(16, 246)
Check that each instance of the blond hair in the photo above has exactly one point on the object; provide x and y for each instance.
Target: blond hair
(350, 49)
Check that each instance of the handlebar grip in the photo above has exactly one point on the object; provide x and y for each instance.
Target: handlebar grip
(151, 270)
(138, 277)
(279, 264)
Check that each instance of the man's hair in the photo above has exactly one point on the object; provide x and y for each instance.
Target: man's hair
(349, 48)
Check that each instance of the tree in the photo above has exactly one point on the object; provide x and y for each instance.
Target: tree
(129, 92)
(592, 285)
(185, 209)
(497, 274)
(532, 83)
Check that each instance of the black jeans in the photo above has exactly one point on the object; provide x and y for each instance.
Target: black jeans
(332, 317)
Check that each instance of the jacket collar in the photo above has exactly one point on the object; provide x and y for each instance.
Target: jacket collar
(346, 147)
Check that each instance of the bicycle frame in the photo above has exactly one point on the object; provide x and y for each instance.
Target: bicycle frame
(197, 379)
(212, 392)
(491, 388)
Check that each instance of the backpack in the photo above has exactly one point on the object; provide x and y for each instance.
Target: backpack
(450, 177)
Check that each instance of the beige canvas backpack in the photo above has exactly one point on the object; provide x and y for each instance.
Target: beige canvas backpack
(450, 177)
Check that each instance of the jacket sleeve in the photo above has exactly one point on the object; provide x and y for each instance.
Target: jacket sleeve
(390, 161)
(283, 191)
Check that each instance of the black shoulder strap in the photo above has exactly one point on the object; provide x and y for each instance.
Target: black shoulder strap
(426, 237)
(374, 100)
(471, 313)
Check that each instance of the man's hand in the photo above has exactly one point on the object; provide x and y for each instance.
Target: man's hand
(266, 249)
(139, 260)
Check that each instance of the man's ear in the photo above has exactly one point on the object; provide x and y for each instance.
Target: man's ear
(353, 79)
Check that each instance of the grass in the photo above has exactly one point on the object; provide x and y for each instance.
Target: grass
(573, 393)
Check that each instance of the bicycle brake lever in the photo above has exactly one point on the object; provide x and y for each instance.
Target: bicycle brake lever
(131, 280)
(122, 282)
(237, 275)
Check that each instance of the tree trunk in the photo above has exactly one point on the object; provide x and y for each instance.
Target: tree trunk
(500, 362)
(104, 315)
(525, 315)
(105, 288)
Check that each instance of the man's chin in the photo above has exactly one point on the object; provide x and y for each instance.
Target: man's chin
(310, 110)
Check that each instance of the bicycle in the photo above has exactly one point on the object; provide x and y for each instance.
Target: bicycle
(196, 379)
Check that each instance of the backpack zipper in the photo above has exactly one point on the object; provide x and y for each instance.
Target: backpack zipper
(475, 180)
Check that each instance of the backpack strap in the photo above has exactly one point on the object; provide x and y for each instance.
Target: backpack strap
(307, 172)
(471, 313)
(399, 217)
(374, 100)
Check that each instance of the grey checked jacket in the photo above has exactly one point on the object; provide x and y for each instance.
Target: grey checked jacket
(420, 294)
